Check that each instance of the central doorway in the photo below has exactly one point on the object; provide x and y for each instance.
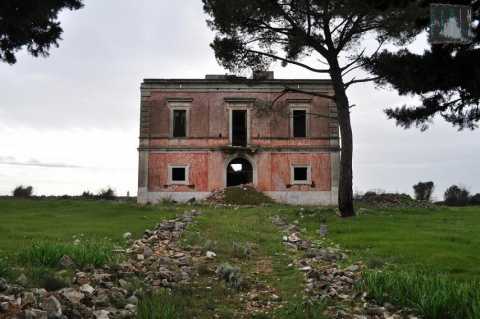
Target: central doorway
(239, 171)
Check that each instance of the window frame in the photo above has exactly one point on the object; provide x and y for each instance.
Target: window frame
(300, 107)
(187, 173)
(293, 181)
(177, 106)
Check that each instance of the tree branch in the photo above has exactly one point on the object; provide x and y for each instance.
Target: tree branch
(290, 89)
(275, 57)
(353, 81)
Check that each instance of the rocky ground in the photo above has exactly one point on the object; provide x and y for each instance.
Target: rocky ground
(327, 280)
(157, 260)
(112, 292)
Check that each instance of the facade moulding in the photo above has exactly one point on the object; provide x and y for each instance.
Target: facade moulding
(247, 150)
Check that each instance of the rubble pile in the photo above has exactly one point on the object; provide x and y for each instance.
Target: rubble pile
(393, 200)
(109, 292)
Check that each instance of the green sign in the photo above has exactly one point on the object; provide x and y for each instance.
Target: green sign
(450, 23)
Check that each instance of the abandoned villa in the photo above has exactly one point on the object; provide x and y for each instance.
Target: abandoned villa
(201, 135)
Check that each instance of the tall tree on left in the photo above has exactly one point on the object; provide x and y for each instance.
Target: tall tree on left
(31, 24)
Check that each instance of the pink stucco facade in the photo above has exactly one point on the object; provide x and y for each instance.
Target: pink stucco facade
(207, 149)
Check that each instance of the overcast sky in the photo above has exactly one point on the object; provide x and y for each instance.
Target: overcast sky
(69, 123)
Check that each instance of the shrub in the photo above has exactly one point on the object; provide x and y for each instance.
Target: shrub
(475, 199)
(432, 296)
(21, 191)
(456, 196)
(241, 251)
(107, 193)
(88, 195)
(48, 254)
(231, 275)
(423, 191)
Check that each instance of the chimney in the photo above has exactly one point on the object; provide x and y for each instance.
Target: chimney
(262, 75)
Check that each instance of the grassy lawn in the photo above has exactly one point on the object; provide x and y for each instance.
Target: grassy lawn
(431, 241)
(25, 221)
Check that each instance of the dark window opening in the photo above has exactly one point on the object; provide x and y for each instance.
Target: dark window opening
(299, 123)
(239, 172)
(300, 174)
(239, 127)
(179, 123)
(178, 174)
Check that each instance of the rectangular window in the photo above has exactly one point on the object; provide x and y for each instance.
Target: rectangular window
(299, 123)
(300, 174)
(178, 174)
(179, 123)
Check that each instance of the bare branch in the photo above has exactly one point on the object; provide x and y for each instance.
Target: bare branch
(275, 57)
(354, 61)
(290, 89)
(353, 81)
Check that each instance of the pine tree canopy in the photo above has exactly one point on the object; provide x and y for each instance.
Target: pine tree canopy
(31, 24)
(446, 77)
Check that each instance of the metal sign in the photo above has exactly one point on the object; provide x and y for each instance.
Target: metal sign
(450, 23)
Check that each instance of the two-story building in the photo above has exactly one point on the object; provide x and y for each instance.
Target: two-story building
(201, 135)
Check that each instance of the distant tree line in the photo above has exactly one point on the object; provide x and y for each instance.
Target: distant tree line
(106, 193)
(453, 196)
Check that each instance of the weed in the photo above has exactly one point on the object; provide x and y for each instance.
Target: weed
(299, 309)
(241, 251)
(164, 304)
(231, 275)
(432, 296)
(48, 254)
(5, 270)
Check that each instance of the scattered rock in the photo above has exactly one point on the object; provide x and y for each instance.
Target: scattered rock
(101, 314)
(72, 295)
(53, 308)
(86, 288)
(211, 254)
(147, 252)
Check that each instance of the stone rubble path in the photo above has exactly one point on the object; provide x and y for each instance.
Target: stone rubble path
(326, 280)
(108, 293)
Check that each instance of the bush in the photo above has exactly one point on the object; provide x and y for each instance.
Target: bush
(21, 191)
(475, 199)
(423, 191)
(107, 193)
(231, 275)
(88, 195)
(456, 196)
(432, 296)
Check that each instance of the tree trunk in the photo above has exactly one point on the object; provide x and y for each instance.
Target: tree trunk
(345, 187)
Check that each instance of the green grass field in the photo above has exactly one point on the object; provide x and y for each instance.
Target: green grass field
(434, 241)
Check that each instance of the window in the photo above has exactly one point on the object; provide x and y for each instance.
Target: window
(239, 127)
(299, 123)
(301, 174)
(179, 123)
(178, 174)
